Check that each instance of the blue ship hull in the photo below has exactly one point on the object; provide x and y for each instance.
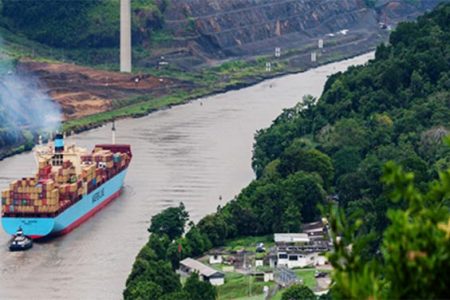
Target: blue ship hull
(70, 218)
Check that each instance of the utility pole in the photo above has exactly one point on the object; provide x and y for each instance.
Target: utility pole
(125, 36)
(113, 129)
(313, 56)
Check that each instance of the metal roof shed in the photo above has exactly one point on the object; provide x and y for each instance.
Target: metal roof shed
(189, 265)
(291, 238)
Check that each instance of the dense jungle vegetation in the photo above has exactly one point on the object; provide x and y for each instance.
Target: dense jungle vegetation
(395, 108)
(333, 150)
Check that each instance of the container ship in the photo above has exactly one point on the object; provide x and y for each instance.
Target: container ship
(70, 186)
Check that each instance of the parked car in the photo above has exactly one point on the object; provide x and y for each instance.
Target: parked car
(320, 274)
(260, 248)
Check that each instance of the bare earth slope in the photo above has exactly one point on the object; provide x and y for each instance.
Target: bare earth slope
(83, 91)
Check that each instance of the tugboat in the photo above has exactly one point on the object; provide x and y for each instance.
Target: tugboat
(20, 242)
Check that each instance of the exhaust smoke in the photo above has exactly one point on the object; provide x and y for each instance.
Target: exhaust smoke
(24, 106)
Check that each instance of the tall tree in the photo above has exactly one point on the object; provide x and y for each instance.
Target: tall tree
(415, 246)
(58, 23)
(199, 290)
(298, 292)
(170, 221)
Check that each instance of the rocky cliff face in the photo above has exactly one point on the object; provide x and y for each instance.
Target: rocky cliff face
(206, 30)
(241, 27)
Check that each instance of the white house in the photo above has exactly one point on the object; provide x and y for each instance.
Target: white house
(295, 260)
(299, 250)
(300, 260)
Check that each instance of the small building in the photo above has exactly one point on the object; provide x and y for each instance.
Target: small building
(300, 259)
(320, 260)
(206, 273)
(263, 276)
(215, 259)
(317, 226)
(294, 259)
(299, 250)
(268, 276)
(259, 262)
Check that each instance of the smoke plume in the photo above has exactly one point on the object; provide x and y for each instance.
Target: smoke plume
(23, 103)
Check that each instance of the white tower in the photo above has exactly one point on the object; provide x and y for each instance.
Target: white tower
(125, 36)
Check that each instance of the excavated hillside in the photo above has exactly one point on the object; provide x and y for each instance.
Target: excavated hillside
(207, 31)
(82, 91)
(204, 33)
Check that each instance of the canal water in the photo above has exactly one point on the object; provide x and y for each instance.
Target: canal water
(198, 153)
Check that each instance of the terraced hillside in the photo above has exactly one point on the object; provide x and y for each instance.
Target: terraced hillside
(209, 30)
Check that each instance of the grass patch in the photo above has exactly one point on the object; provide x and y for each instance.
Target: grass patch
(249, 243)
(240, 69)
(257, 297)
(278, 295)
(138, 109)
(239, 286)
(307, 275)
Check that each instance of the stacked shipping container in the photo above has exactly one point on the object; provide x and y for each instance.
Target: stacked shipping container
(54, 188)
(30, 195)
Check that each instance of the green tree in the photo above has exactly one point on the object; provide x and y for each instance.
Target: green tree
(414, 249)
(159, 243)
(141, 290)
(298, 292)
(292, 219)
(346, 160)
(58, 23)
(350, 187)
(295, 158)
(416, 84)
(197, 242)
(271, 170)
(215, 228)
(177, 250)
(170, 221)
(199, 290)
(159, 272)
(305, 191)
(349, 133)
(176, 296)
(147, 253)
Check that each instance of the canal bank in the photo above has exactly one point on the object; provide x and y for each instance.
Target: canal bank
(198, 153)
